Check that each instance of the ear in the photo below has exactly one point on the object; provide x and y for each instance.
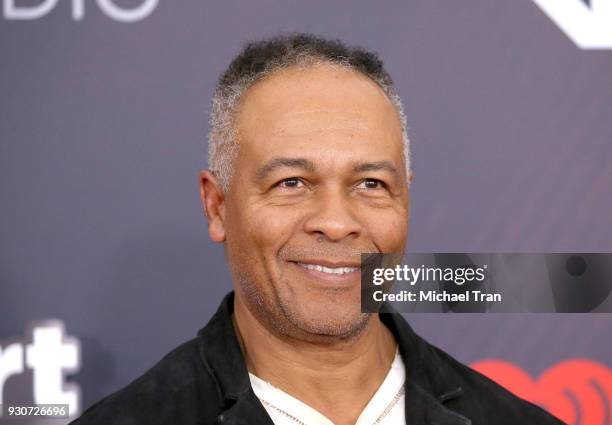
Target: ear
(213, 201)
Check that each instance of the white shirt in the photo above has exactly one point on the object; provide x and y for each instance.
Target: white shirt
(386, 406)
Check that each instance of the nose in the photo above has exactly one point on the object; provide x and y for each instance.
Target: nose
(333, 217)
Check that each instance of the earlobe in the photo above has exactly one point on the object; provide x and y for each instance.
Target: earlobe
(213, 202)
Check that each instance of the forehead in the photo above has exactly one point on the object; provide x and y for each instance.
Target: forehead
(317, 108)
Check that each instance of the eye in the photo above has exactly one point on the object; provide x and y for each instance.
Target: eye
(290, 183)
(372, 184)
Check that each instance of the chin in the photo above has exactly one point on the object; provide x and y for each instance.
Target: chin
(327, 321)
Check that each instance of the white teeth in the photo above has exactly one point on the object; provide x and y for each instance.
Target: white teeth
(331, 270)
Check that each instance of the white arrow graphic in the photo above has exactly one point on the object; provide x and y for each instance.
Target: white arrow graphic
(588, 27)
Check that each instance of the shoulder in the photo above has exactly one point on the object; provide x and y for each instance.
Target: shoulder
(484, 401)
(178, 389)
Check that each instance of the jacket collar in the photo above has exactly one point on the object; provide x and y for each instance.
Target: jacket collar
(220, 352)
(430, 382)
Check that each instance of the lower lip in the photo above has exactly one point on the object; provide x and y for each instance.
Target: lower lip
(331, 278)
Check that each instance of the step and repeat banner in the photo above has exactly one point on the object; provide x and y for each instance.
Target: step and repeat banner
(105, 261)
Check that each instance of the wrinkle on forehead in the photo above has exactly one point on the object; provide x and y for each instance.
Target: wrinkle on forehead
(301, 123)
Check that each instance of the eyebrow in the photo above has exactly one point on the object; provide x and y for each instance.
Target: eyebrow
(376, 166)
(281, 162)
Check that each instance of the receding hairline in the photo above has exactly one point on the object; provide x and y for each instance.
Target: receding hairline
(299, 70)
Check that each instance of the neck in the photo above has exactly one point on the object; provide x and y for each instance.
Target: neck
(337, 378)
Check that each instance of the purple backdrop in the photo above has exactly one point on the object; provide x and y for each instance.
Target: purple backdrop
(103, 131)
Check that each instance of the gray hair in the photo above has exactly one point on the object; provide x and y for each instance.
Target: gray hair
(263, 58)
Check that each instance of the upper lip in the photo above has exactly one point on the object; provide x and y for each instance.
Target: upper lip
(329, 263)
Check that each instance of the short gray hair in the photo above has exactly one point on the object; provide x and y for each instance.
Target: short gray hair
(265, 57)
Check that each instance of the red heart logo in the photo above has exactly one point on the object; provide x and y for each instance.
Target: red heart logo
(577, 391)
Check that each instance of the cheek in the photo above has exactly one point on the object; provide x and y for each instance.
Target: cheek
(262, 230)
(389, 231)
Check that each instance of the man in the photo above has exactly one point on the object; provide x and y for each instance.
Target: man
(309, 167)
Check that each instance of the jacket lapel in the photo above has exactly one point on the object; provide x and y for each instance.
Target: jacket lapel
(223, 358)
(246, 410)
(423, 408)
(430, 382)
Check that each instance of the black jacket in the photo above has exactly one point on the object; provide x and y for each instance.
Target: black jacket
(205, 381)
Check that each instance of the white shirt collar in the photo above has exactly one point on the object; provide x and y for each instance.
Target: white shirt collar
(385, 407)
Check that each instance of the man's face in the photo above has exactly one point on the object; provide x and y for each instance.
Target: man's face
(319, 178)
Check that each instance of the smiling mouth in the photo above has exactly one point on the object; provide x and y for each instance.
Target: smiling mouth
(329, 270)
